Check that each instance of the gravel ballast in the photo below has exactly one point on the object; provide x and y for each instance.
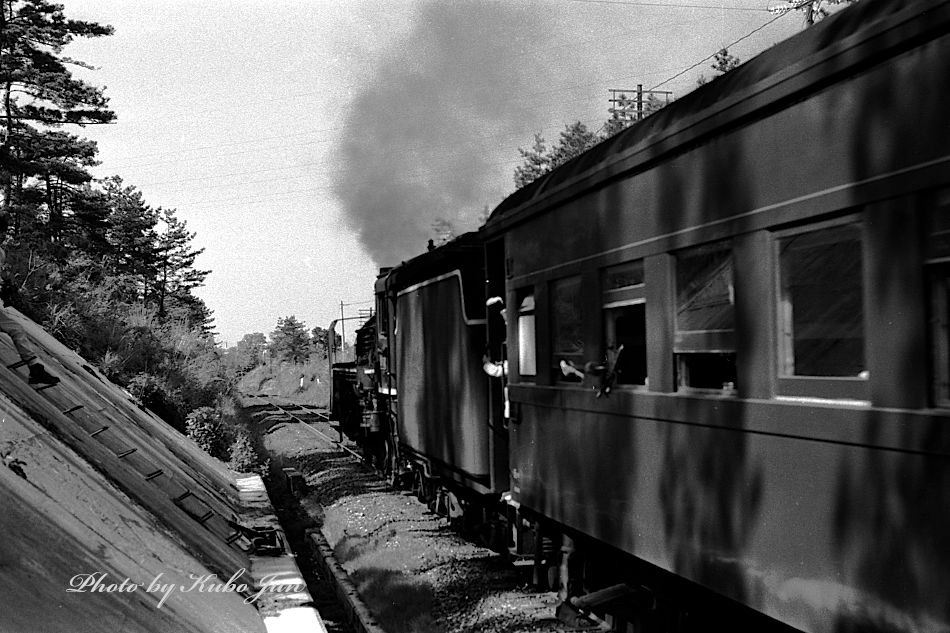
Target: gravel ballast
(411, 570)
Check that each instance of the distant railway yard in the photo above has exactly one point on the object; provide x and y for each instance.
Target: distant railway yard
(408, 568)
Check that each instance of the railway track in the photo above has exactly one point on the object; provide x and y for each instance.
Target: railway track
(311, 410)
(334, 595)
(413, 557)
(459, 567)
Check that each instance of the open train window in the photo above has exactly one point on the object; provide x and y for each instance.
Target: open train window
(704, 343)
(527, 348)
(567, 324)
(625, 327)
(938, 273)
(821, 312)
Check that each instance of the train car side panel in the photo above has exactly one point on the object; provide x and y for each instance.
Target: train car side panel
(782, 507)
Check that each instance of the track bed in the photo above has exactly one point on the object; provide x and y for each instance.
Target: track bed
(411, 570)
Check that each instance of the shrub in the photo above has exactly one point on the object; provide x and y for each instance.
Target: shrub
(245, 458)
(204, 426)
(154, 393)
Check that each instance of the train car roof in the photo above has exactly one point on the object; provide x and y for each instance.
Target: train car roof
(780, 75)
(440, 260)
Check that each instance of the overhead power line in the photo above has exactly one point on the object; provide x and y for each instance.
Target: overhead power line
(501, 98)
(339, 128)
(727, 46)
(419, 175)
(671, 5)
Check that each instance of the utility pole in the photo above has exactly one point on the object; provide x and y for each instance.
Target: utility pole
(363, 316)
(343, 334)
(620, 103)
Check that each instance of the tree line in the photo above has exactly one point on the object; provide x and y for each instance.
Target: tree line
(289, 342)
(576, 138)
(102, 270)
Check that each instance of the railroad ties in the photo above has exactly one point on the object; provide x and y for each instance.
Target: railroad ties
(294, 411)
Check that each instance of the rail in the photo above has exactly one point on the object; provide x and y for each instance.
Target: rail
(315, 411)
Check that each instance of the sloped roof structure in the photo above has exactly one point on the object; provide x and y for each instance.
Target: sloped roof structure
(110, 520)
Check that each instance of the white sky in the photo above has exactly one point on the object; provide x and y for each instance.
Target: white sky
(232, 112)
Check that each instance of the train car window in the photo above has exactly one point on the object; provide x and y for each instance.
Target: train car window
(938, 273)
(527, 348)
(622, 277)
(567, 320)
(940, 301)
(938, 230)
(821, 307)
(625, 321)
(704, 343)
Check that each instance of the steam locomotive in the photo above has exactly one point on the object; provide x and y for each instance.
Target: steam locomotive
(726, 393)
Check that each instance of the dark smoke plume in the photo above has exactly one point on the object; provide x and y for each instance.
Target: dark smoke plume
(429, 137)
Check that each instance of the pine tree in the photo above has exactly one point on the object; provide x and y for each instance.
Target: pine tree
(724, 62)
(39, 93)
(249, 352)
(575, 140)
(176, 275)
(622, 115)
(132, 235)
(536, 162)
(89, 223)
(57, 166)
(290, 341)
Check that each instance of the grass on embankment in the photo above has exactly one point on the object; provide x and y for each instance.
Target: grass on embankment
(303, 383)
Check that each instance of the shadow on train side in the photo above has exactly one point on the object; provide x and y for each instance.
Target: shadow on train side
(813, 498)
(441, 378)
(891, 521)
(710, 485)
(711, 495)
(444, 375)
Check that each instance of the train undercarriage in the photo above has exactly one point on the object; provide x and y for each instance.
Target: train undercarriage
(598, 586)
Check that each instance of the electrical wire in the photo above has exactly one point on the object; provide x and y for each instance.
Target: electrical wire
(727, 46)
(555, 90)
(677, 5)
(422, 173)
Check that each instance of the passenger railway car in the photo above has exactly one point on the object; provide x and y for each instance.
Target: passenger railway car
(729, 365)
(772, 254)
